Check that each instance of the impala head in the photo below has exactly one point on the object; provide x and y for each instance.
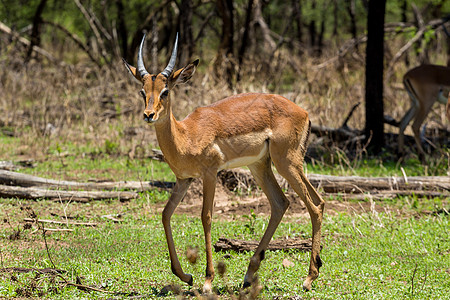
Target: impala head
(156, 88)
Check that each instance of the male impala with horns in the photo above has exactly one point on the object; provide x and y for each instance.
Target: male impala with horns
(253, 130)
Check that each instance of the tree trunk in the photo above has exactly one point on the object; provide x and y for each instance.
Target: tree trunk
(296, 4)
(404, 19)
(374, 128)
(146, 25)
(321, 33)
(224, 63)
(312, 29)
(35, 38)
(122, 28)
(335, 17)
(448, 53)
(351, 9)
(245, 43)
(186, 36)
(420, 46)
(154, 46)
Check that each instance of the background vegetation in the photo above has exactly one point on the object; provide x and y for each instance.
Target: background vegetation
(312, 52)
(73, 112)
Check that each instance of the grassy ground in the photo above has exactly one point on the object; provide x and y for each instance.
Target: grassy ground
(398, 249)
(74, 162)
(401, 251)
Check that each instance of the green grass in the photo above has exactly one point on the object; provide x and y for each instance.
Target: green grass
(106, 162)
(84, 162)
(376, 255)
(399, 252)
(380, 167)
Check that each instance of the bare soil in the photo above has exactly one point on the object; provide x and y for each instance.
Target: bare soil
(227, 204)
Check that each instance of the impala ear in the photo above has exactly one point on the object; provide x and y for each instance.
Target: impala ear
(132, 70)
(183, 75)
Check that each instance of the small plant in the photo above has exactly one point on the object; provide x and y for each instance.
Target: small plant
(111, 147)
(251, 221)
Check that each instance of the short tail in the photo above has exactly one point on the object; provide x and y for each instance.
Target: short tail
(304, 140)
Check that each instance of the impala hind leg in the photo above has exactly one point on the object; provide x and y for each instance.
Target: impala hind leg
(262, 172)
(179, 191)
(402, 126)
(418, 121)
(291, 168)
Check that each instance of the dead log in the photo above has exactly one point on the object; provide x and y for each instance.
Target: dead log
(355, 184)
(25, 180)
(224, 244)
(77, 196)
(346, 184)
(242, 179)
(7, 165)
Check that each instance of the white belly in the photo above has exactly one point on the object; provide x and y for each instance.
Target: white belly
(246, 160)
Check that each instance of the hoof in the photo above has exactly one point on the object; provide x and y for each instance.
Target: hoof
(246, 284)
(190, 280)
(207, 288)
(306, 286)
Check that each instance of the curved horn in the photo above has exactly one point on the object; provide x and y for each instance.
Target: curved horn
(140, 62)
(168, 70)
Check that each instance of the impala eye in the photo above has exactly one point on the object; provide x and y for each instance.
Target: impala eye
(165, 93)
(142, 93)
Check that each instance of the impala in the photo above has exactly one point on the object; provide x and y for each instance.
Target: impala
(425, 84)
(253, 130)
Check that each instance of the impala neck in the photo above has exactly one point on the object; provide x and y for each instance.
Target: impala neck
(168, 135)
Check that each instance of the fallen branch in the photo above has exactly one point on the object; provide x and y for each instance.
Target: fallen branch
(112, 217)
(86, 287)
(27, 270)
(58, 229)
(77, 196)
(59, 222)
(224, 244)
(344, 125)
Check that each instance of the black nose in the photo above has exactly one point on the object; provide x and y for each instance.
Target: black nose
(149, 117)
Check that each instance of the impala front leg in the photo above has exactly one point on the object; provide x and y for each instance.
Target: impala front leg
(209, 187)
(178, 193)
